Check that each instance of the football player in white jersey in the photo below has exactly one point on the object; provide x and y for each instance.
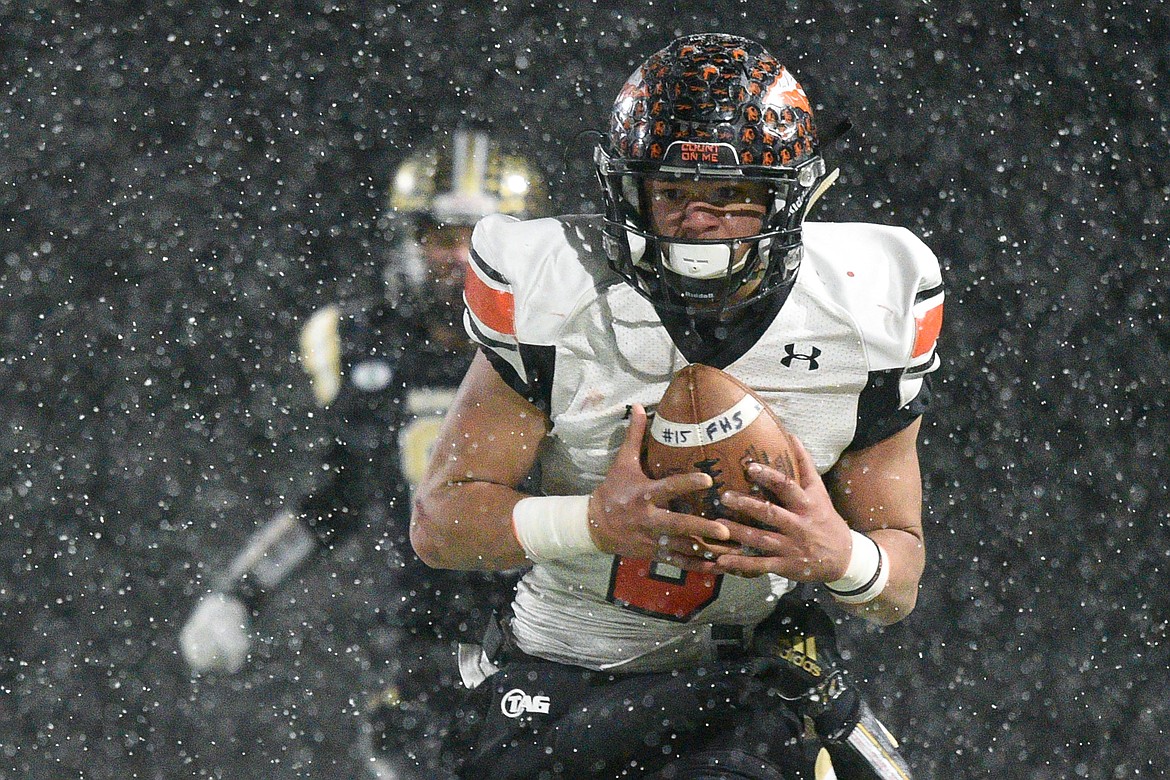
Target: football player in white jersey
(383, 370)
(643, 641)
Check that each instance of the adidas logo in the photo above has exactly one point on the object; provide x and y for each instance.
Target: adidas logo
(801, 653)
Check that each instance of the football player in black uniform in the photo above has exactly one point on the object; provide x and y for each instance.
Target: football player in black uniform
(383, 370)
(645, 641)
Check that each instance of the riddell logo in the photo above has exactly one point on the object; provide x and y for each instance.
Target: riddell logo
(516, 702)
(707, 153)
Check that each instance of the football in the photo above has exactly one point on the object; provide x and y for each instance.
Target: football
(709, 421)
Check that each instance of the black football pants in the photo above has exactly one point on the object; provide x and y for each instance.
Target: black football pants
(538, 719)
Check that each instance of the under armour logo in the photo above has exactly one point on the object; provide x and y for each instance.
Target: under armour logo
(810, 357)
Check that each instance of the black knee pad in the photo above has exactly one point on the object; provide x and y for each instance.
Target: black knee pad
(719, 765)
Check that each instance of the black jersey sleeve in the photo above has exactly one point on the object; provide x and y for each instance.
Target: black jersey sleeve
(893, 398)
(359, 473)
(879, 413)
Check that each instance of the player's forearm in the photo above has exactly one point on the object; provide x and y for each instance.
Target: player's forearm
(462, 511)
(905, 556)
(273, 552)
(466, 525)
(878, 491)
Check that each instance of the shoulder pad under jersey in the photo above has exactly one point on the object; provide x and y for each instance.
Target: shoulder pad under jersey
(890, 282)
(525, 281)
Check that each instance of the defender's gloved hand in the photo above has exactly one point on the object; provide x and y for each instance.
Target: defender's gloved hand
(805, 668)
(217, 635)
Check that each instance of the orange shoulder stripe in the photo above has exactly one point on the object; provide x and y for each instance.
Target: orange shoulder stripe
(494, 308)
(927, 328)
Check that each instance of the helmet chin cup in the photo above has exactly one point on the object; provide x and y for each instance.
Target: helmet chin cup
(698, 261)
(637, 243)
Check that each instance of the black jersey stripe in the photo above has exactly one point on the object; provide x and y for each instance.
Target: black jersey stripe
(487, 270)
(539, 363)
(879, 415)
(925, 295)
(924, 367)
(485, 339)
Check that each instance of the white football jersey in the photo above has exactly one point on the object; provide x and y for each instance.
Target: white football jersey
(842, 365)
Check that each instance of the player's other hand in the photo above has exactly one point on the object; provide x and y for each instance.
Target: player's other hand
(217, 635)
(629, 512)
(793, 529)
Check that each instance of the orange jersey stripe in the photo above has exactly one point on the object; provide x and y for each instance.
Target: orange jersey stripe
(927, 327)
(494, 308)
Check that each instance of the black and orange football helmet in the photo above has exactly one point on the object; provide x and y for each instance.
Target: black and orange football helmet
(709, 106)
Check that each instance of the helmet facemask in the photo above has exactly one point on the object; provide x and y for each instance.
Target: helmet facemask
(705, 276)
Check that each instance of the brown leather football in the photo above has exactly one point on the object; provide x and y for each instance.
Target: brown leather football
(709, 421)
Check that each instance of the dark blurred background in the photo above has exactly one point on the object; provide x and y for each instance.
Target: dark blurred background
(181, 184)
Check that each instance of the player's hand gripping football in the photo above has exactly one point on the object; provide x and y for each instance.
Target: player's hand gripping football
(796, 532)
(629, 514)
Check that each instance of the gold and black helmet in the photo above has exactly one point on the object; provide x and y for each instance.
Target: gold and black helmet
(464, 179)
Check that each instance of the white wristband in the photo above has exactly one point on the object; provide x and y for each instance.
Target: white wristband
(552, 527)
(867, 574)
